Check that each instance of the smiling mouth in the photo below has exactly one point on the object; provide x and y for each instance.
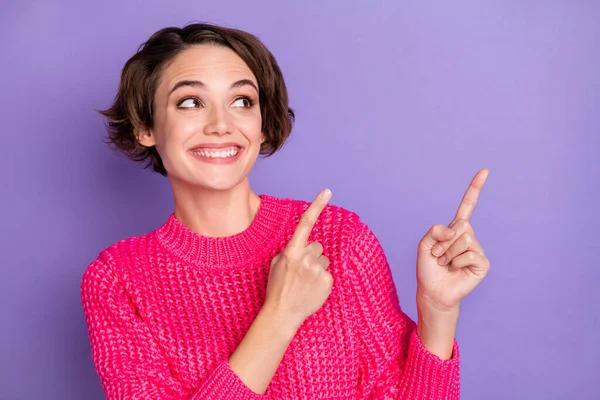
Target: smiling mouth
(227, 152)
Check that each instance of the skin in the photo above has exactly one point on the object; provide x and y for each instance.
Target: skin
(211, 199)
(447, 275)
(216, 200)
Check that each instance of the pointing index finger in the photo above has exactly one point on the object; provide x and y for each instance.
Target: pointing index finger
(308, 219)
(469, 200)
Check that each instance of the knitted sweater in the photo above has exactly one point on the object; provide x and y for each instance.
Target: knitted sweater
(165, 310)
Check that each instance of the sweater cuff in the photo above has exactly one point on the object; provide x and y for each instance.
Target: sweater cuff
(224, 384)
(438, 378)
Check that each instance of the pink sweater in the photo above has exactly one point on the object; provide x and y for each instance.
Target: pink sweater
(166, 310)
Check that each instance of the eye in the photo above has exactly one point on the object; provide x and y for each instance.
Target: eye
(245, 102)
(190, 102)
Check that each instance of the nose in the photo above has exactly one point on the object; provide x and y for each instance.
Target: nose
(218, 122)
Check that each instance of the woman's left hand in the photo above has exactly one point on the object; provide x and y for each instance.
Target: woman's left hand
(450, 260)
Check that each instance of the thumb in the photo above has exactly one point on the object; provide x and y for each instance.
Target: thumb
(437, 233)
(272, 264)
(275, 259)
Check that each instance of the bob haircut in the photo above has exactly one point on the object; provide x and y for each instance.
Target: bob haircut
(132, 109)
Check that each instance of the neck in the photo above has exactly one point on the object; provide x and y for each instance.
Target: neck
(215, 213)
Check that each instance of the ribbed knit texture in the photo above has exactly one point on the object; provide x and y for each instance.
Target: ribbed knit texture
(166, 310)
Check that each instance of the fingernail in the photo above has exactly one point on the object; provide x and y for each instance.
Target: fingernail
(437, 250)
(325, 194)
(448, 231)
(442, 260)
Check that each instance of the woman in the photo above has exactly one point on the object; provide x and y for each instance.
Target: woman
(240, 296)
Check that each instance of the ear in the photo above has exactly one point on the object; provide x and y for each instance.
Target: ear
(146, 137)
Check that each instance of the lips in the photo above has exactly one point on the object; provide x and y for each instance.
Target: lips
(218, 153)
(215, 146)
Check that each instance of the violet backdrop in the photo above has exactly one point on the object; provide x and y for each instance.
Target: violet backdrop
(398, 105)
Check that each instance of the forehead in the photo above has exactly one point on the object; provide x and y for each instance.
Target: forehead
(206, 63)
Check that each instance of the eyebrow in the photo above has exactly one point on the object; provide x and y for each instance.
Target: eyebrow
(201, 85)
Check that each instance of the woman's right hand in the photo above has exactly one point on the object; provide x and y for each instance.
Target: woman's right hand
(299, 282)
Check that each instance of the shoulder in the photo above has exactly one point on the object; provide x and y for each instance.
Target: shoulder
(345, 237)
(331, 214)
(333, 220)
(110, 263)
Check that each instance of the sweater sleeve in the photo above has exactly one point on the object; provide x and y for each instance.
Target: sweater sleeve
(394, 364)
(129, 360)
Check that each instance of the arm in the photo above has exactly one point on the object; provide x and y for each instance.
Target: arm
(436, 328)
(131, 364)
(259, 354)
(394, 363)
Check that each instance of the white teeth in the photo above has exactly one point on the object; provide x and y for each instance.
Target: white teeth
(230, 152)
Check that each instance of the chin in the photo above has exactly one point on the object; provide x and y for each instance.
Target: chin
(226, 183)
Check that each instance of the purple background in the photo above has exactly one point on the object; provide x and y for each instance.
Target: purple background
(398, 106)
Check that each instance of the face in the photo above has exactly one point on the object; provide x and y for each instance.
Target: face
(207, 121)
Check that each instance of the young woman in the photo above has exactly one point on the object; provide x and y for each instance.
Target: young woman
(241, 296)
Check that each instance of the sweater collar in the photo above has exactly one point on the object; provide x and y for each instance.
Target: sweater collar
(264, 230)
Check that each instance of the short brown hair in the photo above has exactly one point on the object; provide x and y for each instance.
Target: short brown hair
(133, 105)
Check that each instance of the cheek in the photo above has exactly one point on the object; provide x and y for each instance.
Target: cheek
(252, 128)
(175, 131)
